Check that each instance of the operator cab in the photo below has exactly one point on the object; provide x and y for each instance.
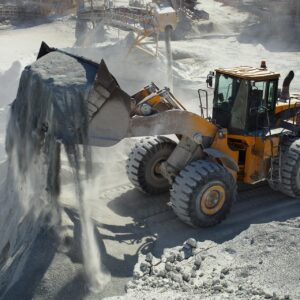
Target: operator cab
(245, 99)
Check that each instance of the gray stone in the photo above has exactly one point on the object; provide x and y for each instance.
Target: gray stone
(186, 276)
(171, 256)
(137, 274)
(184, 289)
(176, 277)
(217, 287)
(178, 268)
(259, 291)
(191, 242)
(193, 274)
(225, 271)
(195, 268)
(149, 257)
(275, 297)
(159, 270)
(187, 253)
(180, 256)
(145, 267)
(162, 273)
(201, 274)
(267, 295)
(169, 267)
(198, 260)
(130, 285)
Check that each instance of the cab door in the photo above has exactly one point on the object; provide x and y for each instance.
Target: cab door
(262, 100)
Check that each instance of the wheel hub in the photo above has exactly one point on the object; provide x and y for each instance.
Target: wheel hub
(156, 172)
(212, 199)
(157, 168)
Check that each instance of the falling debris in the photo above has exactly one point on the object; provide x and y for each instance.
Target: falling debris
(51, 111)
(169, 56)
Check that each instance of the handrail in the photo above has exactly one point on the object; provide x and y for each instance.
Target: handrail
(206, 103)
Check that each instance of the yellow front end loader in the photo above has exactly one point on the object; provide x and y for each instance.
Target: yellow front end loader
(250, 133)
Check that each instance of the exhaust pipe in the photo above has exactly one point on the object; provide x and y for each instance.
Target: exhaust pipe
(285, 92)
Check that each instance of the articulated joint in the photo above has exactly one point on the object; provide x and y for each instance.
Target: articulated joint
(186, 151)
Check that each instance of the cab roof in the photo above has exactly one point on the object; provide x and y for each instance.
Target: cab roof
(249, 73)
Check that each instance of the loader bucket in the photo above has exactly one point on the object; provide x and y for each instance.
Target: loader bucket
(99, 101)
(109, 110)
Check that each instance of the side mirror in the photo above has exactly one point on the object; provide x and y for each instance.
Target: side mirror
(209, 79)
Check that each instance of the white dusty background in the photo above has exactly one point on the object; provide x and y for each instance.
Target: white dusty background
(126, 221)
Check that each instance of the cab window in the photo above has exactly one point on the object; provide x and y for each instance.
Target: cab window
(226, 92)
(257, 96)
(262, 95)
(272, 95)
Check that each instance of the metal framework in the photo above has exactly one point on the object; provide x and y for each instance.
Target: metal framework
(140, 21)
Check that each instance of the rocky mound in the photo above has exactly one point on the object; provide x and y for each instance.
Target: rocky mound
(261, 263)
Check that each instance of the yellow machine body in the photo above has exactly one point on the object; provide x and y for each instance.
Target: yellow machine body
(252, 154)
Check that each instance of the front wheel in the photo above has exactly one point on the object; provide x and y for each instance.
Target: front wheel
(143, 165)
(202, 194)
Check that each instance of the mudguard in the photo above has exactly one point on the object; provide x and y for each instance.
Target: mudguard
(226, 160)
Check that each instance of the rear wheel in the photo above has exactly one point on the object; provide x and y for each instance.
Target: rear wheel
(290, 169)
(202, 194)
(143, 165)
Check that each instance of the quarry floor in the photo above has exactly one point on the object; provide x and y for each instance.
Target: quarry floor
(127, 222)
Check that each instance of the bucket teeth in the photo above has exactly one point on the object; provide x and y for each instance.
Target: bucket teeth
(104, 85)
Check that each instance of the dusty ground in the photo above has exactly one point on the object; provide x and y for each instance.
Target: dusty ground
(127, 222)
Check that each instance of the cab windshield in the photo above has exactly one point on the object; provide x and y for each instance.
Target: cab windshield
(226, 91)
(243, 105)
(230, 102)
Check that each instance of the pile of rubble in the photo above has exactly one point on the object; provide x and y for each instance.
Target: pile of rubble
(182, 269)
(221, 271)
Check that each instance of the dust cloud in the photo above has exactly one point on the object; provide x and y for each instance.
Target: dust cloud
(9, 80)
(47, 115)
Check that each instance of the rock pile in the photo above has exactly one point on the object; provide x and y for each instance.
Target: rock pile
(198, 269)
(49, 113)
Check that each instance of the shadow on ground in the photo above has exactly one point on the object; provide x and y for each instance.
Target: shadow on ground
(129, 234)
(255, 205)
(153, 227)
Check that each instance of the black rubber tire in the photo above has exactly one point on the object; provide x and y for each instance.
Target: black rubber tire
(191, 182)
(141, 161)
(290, 168)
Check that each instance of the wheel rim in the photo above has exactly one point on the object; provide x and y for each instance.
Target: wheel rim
(212, 199)
(155, 170)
